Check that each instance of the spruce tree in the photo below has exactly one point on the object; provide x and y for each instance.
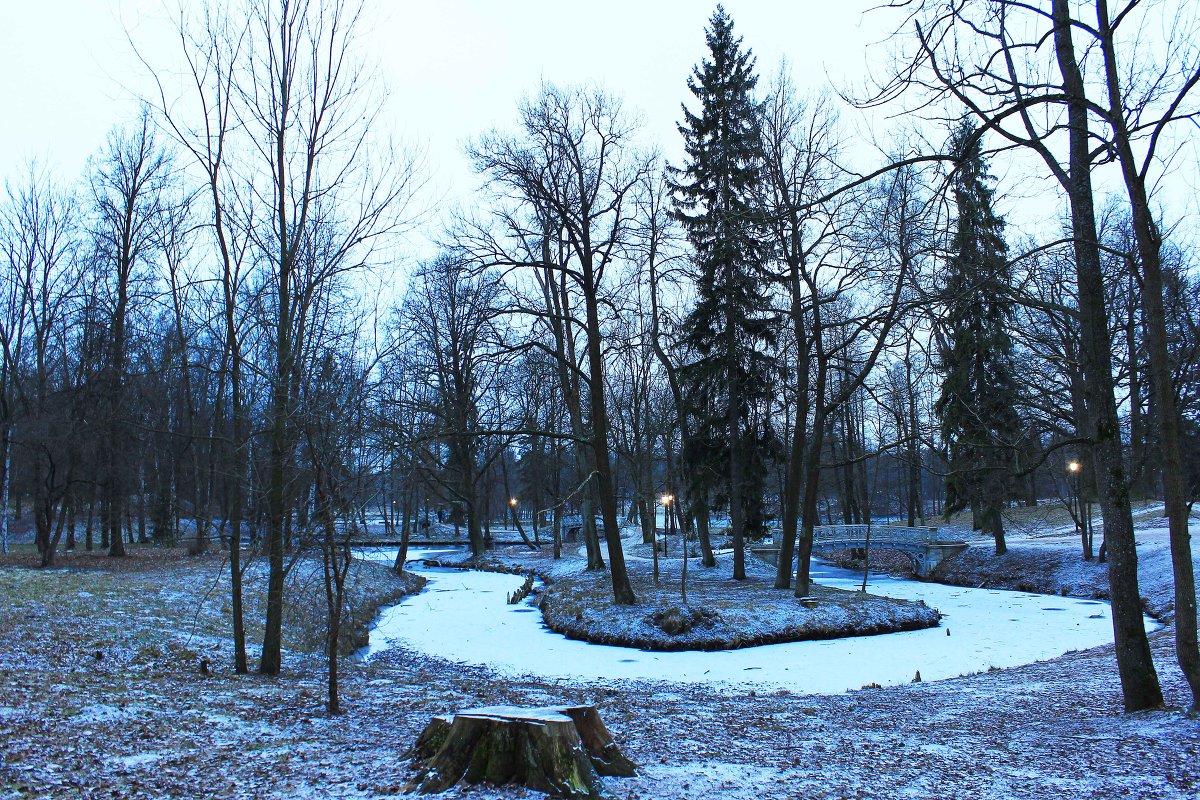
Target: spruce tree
(978, 401)
(728, 330)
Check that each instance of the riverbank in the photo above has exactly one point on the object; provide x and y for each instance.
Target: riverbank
(88, 604)
(1045, 556)
(720, 614)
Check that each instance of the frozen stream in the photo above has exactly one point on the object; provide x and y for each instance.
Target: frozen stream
(463, 616)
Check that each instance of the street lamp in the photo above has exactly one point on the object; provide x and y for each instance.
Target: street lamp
(669, 527)
(667, 499)
(1073, 505)
(1082, 522)
(512, 502)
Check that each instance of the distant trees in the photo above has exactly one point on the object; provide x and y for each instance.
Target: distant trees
(451, 323)
(728, 330)
(41, 240)
(978, 400)
(128, 189)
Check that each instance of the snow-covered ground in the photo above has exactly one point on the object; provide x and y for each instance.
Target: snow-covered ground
(142, 724)
(1045, 555)
(463, 616)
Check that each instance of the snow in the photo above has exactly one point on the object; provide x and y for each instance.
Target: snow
(1042, 731)
(464, 617)
(542, 714)
(105, 714)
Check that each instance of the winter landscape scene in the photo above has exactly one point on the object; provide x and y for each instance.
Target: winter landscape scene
(625, 400)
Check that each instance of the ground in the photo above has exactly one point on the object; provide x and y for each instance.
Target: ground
(140, 721)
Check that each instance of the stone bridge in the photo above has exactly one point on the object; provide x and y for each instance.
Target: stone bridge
(921, 544)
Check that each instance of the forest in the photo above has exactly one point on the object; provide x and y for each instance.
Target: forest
(214, 335)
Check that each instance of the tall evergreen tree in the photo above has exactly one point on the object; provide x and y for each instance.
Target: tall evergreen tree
(728, 330)
(978, 401)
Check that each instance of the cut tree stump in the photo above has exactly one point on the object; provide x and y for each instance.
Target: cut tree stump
(562, 750)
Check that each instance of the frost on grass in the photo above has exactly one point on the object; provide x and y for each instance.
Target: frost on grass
(121, 727)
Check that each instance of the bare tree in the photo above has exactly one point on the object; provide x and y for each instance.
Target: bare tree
(39, 241)
(307, 108)
(800, 147)
(451, 316)
(849, 269)
(128, 188)
(574, 169)
(657, 251)
(984, 58)
(1130, 112)
(212, 47)
(333, 406)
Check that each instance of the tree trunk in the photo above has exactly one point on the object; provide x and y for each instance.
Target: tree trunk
(733, 421)
(141, 512)
(89, 535)
(1139, 681)
(793, 481)
(808, 511)
(916, 510)
(992, 522)
(1155, 330)
(5, 484)
(812, 466)
(336, 563)
(271, 657)
(69, 510)
(560, 749)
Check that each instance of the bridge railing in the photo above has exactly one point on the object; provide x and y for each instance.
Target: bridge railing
(880, 533)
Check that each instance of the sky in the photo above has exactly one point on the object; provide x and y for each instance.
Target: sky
(454, 69)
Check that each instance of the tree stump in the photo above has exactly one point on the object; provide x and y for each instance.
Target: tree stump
(561, 750)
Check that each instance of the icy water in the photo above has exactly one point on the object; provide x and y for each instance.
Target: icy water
(463, 616)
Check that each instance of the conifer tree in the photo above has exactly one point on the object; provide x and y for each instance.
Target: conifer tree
(978, 401)
(728, 330)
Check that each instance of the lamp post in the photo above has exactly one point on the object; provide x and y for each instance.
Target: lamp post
(512, 504)
(668, 527)
(1081, 522)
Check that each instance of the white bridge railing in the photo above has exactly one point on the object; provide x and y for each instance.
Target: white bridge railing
(899, 534)
(879, 534)
(922, 544)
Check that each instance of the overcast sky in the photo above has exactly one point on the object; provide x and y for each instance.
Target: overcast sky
(454, 69)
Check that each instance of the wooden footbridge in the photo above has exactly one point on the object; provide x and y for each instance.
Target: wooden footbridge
(922, 545)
